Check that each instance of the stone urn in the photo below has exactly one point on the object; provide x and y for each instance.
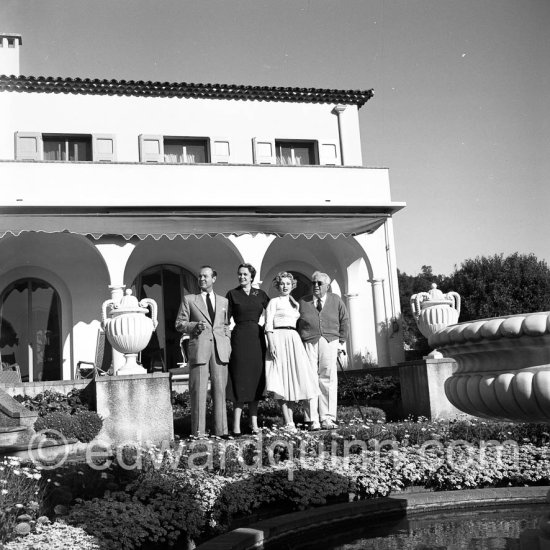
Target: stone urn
(503, 366)
(434, 311)
(128, 328)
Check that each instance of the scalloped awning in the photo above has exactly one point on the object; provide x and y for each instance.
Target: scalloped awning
(198, 224)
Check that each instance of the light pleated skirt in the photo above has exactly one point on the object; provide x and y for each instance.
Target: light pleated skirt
(291, 377)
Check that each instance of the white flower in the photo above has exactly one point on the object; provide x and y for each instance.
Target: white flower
(4, 491)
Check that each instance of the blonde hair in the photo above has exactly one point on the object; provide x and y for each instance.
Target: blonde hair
(277, 282)
(284, 275)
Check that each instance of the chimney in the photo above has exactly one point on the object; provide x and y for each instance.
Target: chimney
(9, 53)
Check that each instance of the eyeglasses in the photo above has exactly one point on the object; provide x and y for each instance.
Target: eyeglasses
(318, 283)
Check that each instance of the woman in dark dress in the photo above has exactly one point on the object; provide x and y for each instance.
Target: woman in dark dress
(246, 383)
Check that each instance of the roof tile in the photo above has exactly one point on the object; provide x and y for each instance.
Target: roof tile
(183, 90)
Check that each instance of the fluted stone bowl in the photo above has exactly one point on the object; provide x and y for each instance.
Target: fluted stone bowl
(503, 366)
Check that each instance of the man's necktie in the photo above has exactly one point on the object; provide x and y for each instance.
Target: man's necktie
(210, 307)
(319, 305)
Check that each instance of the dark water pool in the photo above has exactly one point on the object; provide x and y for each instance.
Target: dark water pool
(496, 528)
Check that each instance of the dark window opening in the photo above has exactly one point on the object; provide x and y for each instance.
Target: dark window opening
(186, 150)
(296, 153)
(67, 148)
(30, 329)
(166, 284)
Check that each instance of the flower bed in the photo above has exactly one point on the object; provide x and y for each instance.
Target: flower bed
(196, 488)
(20, 496)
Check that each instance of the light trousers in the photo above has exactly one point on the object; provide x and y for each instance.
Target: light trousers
(198, 387)
(323, 357)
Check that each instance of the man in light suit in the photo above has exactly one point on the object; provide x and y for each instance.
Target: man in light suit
(204, 317)
(323, 327)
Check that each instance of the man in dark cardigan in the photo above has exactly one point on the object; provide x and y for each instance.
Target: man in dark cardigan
(323, 327)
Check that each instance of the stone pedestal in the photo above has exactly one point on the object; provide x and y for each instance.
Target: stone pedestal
(135, 408)
(423, 388)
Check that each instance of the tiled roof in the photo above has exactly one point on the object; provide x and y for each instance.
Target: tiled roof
(140, 88)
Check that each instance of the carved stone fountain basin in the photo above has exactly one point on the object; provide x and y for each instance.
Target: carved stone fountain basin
(503, 366)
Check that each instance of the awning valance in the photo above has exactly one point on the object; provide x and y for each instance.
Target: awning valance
(197, 224)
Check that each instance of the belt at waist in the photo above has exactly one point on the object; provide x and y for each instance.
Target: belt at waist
(285, 328)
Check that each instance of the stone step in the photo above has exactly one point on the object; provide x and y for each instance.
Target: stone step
(14, 414)
(14, 436)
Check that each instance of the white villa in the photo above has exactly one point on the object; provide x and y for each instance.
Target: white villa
(107, 185)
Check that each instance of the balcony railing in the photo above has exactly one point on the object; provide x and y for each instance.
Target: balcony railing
(90, 184)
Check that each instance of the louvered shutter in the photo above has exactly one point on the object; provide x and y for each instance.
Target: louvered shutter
(28, 146)
(264, 151)
(103, 148)
(220, 151)
(329, 153)
(151, 148)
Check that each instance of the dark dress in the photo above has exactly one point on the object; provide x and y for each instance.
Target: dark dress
(247, 363)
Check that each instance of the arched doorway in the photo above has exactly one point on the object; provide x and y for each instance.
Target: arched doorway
(166, 284)
(303, 285)
(30, 329)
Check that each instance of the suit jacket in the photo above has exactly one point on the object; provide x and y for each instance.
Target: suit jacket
(192, 310)
(332, 322)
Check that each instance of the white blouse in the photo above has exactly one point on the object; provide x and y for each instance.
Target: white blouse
(280, 313)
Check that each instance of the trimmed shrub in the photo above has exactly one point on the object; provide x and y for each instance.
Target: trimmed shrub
(87, 425)
(366, 387)
(117, 521)
(83, 426)
(55, 424)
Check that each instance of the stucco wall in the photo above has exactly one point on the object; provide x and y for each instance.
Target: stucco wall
(128, 117)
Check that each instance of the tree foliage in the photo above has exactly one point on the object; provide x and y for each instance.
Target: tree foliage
(490, 286)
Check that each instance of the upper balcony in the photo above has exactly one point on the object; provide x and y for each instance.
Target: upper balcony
(45, 196)
(90, 184)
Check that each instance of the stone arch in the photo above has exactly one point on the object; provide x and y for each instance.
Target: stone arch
(348, 265)
(190, 254)
(57, 284)
(74, 267)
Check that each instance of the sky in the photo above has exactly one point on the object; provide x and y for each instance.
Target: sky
(460, 115)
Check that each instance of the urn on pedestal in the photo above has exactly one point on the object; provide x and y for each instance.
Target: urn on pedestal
(128, 328)
(433, 311)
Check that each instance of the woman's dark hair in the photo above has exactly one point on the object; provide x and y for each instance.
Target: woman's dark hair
(250, 268)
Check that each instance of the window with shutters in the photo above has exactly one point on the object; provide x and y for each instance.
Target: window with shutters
(295, 152)
(183, 150)
(65, 147)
